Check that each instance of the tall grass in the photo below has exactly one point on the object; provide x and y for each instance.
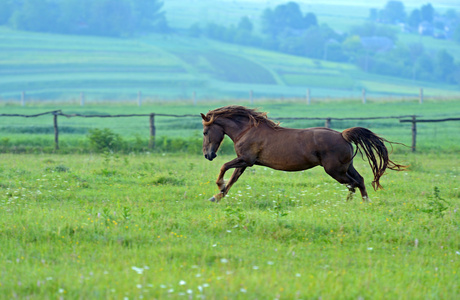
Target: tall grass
(138, 226)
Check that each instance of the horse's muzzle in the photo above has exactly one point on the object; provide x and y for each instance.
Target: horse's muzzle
(211, 156)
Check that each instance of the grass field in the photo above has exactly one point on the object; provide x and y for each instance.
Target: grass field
(135, 224)
(138, 227)
(173, 67)
(37, 134)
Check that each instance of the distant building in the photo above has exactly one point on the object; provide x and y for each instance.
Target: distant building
(425, 28)
(405, 27)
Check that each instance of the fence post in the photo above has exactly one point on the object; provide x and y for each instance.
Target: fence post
(308, 97)
(421, 96)
(251, 97)
(414, 133)
(56, 131)
(23, 98)
(82, 99)
(328, 123)
(152, 131)
(364, 96)
(139, 98)
(194, 98)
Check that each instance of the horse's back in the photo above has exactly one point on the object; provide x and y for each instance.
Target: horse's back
(300, 149)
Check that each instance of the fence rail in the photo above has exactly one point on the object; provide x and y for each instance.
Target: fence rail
(138, 97)
(55, 113)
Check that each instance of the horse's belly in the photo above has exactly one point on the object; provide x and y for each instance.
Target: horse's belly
(289, 161)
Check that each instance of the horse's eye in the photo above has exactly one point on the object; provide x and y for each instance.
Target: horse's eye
(205, 133)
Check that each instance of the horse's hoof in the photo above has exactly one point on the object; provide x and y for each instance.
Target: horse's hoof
(366, 199)
(212, 199)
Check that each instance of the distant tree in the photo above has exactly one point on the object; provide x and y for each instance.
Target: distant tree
(333, 51)
(315, 40)
(415, 18)
(243, 37)
(352, 44)
(373, 14)
(161, 25)
(372, 29)
(456, 33)
(245, 24)
(216, 31)
(444, 65)
(284, 17)
(293, 45)
(6, 10)
(310, 20)
(111, 18)
(74, 16)
(102, 17)
(148, 16)
(456, 74)
(289, 15)
(427, 12)
(424, 67)
(366, 29)
(269, 43)
(36, 15)
(267, 25)
(416, 50)
(195, 30)
(394, 12)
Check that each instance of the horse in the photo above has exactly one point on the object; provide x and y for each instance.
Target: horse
(260, 141)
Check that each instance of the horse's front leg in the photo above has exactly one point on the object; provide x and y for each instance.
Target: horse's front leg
(236, 174)
(240, 166)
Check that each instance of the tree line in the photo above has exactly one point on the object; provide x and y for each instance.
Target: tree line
(372, 46)
(87, 17)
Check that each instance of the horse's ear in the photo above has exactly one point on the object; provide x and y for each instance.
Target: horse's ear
(204, 118)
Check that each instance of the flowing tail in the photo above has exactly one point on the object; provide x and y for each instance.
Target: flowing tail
(375, 150)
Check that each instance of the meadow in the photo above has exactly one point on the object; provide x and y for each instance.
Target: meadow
(136, 224)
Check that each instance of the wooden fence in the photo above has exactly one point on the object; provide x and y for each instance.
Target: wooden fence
(252, 96)
(56, 113)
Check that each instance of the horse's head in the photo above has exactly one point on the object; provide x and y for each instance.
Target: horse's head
(213, 134)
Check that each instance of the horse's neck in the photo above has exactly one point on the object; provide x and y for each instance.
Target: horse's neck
(234, 130)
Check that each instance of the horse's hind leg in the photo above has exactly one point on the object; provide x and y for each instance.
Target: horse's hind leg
(339, 172)
(359, 180)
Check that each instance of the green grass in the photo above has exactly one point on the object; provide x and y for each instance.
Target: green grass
(138, 226)
(34, 134)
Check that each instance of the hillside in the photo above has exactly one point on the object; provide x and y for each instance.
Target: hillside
(51, 66)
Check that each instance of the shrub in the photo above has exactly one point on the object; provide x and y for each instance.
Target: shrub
(102, 140)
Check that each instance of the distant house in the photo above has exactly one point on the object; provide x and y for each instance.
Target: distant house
(405, 27)
(377, 43)
(426, 28)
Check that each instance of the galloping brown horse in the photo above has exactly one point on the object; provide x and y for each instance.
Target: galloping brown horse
(260, 141)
